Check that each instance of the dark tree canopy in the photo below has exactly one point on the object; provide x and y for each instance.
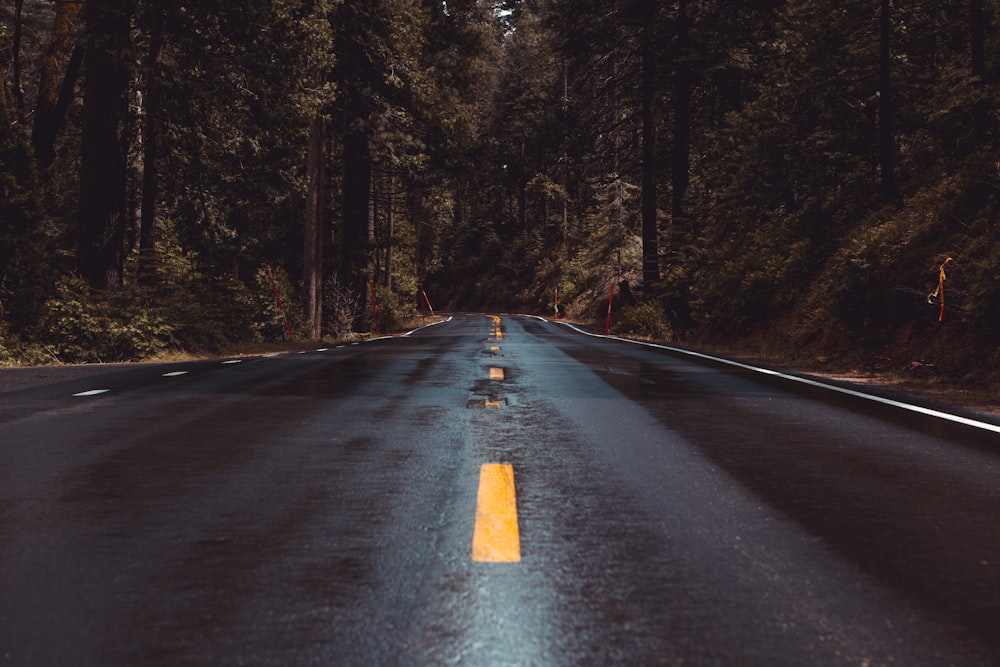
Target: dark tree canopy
(773, 170)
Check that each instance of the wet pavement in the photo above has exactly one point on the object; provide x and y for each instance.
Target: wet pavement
(319, 508)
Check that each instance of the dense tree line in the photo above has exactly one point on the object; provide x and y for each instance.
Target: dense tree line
(163, 161)
(793, 170)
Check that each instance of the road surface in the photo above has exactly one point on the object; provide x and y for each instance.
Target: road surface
(489, 491)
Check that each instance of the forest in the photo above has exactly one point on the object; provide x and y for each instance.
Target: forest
(816, 179)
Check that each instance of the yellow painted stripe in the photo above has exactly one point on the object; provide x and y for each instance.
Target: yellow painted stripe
(491, 404)
(496, 374)
(496, 538)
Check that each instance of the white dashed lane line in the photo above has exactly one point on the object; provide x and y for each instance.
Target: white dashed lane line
(170, 374)
(272, 355)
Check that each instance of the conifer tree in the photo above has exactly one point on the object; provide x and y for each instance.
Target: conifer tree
(103, 168)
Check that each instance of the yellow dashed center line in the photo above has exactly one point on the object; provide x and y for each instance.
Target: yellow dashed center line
(496, 538)
(496, 374)
(496, 333)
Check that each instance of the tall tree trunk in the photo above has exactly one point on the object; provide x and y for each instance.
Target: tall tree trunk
(977, 38)
(103, 172)
(4, 104)
(371, 258)
(150, 148)
(983, 114)
(650, 231)
(60, 68)
(390, 231)
(564, 230)
(18, 74)
(522, 189)
(312, 269)
(681, 231)
(680, 162)
(415, 205)
(616, 194)
(356, 197)
(885, 129)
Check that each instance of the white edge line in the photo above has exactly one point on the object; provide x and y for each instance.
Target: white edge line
(92, 392)
(426, 326)
(372, 340)
(233, 361)
(174, 374)
(965, 421)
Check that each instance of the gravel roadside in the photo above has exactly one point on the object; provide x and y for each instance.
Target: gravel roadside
(23, 377)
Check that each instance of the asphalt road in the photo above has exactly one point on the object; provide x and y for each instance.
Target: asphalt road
(320, 508)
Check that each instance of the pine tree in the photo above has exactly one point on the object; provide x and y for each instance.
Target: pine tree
(103, 168)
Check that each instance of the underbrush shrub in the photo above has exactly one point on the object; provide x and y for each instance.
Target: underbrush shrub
(341, 307)
(256, 302)
(394, 312)
(643, 319)
(16, 352)
(983, 307)
(79, 324)
(219, 314)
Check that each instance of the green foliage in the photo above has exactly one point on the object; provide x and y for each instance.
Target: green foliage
(647, 319)
(983, 305)
(82, 325)
(16, 352)
(188, 312)
(256, 306)
(341, 308)
(394, 311)
(508, 149)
